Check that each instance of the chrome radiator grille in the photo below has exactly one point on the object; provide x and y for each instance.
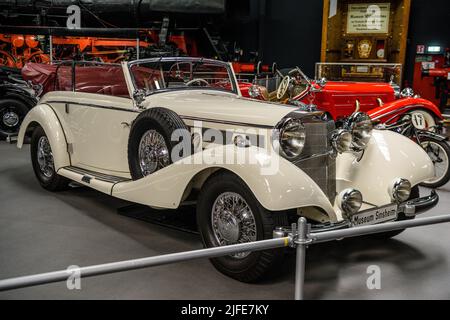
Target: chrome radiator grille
(322, 169)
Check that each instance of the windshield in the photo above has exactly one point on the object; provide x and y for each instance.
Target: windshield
(166, 74)
(299, 75)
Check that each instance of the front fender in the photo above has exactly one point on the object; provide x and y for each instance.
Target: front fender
(432, 135)
(276, 183)
(388, 156)
(398, 107)
(44, 116)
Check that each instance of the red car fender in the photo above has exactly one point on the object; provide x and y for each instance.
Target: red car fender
(392, 110)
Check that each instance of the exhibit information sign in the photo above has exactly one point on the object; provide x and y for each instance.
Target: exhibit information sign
(368, 18)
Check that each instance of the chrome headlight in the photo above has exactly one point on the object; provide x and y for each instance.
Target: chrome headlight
(400, 190)
(349, 201)
(322, 82)
(254, 91)
(360, 125)
(407, 93)
(341, 140)
(291, 137)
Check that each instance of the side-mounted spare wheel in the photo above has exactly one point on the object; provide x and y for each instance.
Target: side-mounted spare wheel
(158, 137)
(228, 213)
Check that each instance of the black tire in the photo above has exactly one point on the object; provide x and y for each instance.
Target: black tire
(446, 177)
(11, 106)
(415, 193)
(53, 182)
(163, 121)
(257, 264)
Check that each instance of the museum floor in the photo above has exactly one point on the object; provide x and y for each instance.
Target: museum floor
(42, 231)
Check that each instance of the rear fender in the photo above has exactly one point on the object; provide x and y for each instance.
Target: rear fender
(44, 116)
(392, 110)
(432, 135)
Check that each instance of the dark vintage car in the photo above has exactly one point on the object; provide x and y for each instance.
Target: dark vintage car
(17, 97)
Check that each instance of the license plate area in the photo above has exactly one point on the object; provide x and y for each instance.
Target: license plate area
(375, 216)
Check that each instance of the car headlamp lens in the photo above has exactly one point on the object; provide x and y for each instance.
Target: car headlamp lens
(360, 125)
(254, 91)
(292, 138)
(341, 140)
(350, 201)
(407, 93)
(400, 190)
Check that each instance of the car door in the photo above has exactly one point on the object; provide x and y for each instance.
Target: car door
(98, 116)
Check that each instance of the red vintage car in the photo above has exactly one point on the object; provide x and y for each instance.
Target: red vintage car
(382, 101)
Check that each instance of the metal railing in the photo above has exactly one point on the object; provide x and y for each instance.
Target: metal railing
(300, 237)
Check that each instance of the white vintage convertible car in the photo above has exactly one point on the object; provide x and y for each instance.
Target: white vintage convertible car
(162, 131)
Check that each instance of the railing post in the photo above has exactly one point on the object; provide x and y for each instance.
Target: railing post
(301, 240)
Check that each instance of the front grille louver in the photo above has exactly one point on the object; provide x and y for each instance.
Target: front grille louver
(321, 169)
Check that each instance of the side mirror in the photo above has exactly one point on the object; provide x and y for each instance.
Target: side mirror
(139, 97)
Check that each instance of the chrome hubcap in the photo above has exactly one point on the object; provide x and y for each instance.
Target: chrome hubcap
(153, 152)
(233, 221)
(45, 157)
(10, 119)
(439, 158)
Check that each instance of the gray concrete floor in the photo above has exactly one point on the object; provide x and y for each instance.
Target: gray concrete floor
(42, 231)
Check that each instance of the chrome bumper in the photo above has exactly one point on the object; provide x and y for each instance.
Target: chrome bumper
(410, 209)
(416, 206)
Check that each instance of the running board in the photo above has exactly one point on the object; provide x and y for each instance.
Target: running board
(99, 181)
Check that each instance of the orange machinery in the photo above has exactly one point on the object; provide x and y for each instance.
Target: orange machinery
(17, 49)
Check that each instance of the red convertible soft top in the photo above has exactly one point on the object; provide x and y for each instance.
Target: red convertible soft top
(102, 79)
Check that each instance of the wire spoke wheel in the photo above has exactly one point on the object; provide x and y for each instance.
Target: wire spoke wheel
(45, 157)
(153, 152)
(233, 221)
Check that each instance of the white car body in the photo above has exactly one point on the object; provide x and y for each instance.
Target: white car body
(91, 132)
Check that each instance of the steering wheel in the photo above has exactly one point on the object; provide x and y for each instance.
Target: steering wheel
(283, 87)
(199, 80)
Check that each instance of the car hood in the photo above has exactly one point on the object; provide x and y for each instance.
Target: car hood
(219, 106)
(360, 87)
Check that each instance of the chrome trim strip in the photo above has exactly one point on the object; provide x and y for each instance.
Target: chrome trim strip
(92, 105)
(181, 116)
(313, 156)
(396, 110)
(227, 122)
(259, 138)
